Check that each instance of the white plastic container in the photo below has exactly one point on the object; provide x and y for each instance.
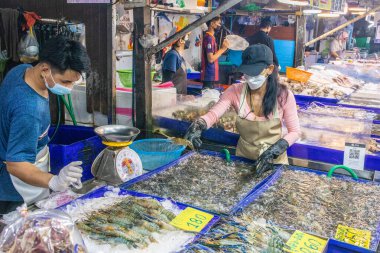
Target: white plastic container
(79, 100)
(160, 98)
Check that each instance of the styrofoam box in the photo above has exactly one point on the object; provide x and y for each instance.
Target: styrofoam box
(161, 98)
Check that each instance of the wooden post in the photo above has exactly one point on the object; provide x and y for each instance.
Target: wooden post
(111, 64)
(142, 69)
(300, 40)
(209, 5)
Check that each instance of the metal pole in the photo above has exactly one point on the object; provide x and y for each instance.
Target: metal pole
(300, 40)
(111, 60)
(342, 26)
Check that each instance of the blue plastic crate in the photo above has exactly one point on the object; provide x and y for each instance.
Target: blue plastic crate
(238, 205)
(155, 153)
(334, 246)
(327, 155)
(98, 193)
(194, 76)
(285, 50)
(74, 143)
(306, 99)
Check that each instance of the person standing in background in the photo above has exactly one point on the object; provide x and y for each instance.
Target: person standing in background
(211, 54)
(338, 46)
(174, 65)
(262, 37)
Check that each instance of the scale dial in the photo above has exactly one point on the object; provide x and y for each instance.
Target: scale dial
(128, 164)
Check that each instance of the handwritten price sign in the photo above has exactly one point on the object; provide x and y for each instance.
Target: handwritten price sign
(361, 238)
(300, 242)
(192, 220)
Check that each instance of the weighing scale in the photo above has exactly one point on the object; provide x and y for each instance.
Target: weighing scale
(117, 163)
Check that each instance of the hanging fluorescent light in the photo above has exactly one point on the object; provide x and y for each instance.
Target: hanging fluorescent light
(328, 15)
(357, 12)
(311, 11)
(357, 9)
(294, 2)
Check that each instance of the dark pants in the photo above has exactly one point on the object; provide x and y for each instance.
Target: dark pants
(209, 84)
(8, 206)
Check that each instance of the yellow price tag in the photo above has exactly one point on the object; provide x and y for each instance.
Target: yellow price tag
(192, 220)
(358, 237)
(301, 242)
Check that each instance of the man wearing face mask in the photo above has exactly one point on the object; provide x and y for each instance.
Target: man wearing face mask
(262, 37)
(174, 65)
(211, 54)
(25, 121)
(262, 105)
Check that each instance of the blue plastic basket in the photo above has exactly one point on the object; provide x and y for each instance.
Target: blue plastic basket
(155, 153)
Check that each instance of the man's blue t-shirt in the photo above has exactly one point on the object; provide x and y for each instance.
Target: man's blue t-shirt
(24, 125)
(172, 61)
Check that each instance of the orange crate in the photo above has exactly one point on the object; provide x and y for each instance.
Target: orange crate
(297, 74)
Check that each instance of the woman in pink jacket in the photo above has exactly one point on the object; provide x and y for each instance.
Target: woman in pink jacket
(262, 105)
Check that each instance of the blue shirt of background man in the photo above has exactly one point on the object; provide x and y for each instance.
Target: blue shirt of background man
(24, 124)
(172, 61)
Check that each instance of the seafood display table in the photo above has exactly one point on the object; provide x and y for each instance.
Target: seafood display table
(120, 220)
(297, 150)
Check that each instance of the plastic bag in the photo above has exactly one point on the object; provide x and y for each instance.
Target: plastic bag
(57, 199)
(11, 217)
(148, 40)
(49, 231)
(211, 93)
(28, 48)
(237, 43)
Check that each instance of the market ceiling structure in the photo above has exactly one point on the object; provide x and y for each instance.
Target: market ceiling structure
(274, 4)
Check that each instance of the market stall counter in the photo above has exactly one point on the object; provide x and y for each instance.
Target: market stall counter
(326, 128)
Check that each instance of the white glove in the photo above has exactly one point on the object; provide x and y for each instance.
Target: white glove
(70, 174)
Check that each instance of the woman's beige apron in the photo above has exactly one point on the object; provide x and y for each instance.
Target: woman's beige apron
(258, 136)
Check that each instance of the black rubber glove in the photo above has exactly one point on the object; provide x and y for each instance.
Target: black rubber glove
(265, 161)
(194, 132)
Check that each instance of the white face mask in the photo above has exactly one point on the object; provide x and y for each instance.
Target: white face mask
(57, 89)
(255, 82)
